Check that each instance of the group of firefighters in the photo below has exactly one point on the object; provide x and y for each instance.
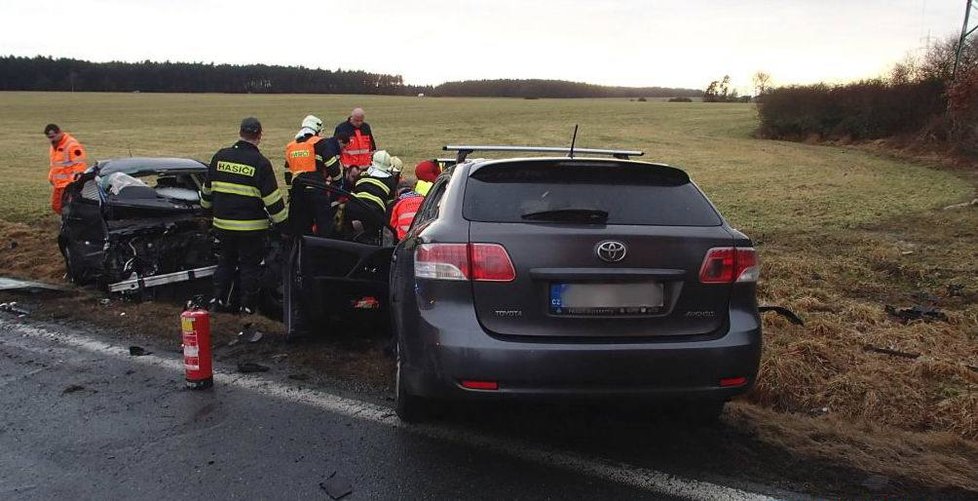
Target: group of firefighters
(241, 191)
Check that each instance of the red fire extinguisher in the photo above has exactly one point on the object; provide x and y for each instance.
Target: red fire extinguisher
(195, 323)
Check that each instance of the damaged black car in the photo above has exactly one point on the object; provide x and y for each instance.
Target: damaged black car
(130, 224)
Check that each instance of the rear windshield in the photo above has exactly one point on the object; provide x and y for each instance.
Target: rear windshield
(615, 193)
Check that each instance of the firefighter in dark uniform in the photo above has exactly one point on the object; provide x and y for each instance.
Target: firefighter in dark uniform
(316, 160)
(241, 190)
(374, 190)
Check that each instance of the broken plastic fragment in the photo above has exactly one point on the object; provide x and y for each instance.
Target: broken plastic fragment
(249, 333)
(138, 351)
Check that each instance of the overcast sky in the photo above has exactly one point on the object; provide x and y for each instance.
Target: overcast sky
(612, 42)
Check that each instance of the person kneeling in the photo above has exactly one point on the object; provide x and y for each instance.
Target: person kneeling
(373, 192)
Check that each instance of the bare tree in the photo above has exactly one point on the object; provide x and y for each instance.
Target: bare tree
(761, 82)
(906, 71)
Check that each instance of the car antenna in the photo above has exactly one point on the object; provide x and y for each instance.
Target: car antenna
(573, 140)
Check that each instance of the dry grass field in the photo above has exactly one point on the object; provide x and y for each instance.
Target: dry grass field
(842, 232)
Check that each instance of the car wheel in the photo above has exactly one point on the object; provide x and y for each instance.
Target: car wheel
(409, 408)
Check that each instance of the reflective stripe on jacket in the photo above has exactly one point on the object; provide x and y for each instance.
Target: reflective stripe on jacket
(361, 146)
(242, 191)
(376, 191)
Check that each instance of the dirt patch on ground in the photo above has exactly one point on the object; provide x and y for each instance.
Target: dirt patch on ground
(31, 251)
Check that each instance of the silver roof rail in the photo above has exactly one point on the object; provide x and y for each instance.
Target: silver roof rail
(465, 150)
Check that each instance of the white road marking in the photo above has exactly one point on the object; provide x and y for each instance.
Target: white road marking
(624, 474)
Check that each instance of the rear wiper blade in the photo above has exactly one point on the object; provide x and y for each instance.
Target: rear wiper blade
(573, 215)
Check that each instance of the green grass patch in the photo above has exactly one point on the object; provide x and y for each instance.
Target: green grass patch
(760, 186)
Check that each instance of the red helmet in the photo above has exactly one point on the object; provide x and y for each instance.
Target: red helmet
(427, 171)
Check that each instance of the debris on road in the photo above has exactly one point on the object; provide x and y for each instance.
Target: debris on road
(248, 334)
(248, 367)
(72, 389)
(12, 307)
(337, 486)
(138, 351)
(917, 312)
(299, 377)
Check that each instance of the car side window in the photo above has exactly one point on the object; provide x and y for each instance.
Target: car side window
(429, 209)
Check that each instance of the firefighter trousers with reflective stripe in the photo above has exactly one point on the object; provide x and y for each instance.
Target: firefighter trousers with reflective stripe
(241, 252)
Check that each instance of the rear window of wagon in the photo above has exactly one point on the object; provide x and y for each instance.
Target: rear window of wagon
(630, 193)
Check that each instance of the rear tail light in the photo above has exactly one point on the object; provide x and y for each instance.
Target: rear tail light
(730, 382)
(480, 385)
(473, 261)
(724, 265)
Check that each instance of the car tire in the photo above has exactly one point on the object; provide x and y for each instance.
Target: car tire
(409, 408)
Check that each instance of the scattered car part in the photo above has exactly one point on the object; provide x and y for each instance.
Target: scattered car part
(917, 312)
(12, 307)
(138, 351)
(140, 283)
(892, 352)
(784, 312)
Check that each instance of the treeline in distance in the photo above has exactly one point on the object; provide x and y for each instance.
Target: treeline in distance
(42, 73)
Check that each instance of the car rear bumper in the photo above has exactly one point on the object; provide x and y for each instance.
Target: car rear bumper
(579, 368)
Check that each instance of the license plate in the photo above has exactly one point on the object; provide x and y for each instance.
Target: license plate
(629, 298)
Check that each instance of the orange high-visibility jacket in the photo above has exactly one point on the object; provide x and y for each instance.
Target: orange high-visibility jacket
(67, 159)
(362, 144)
(403, 214)
(301, 157)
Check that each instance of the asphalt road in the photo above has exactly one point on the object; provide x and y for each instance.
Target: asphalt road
(80, 418)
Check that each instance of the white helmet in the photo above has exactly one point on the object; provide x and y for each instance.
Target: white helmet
(381, 161)
(311, 122)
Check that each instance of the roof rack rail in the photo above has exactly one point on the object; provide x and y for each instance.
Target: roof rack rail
(465, 150)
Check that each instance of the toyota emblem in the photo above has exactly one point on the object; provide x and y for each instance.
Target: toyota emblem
(611, 251)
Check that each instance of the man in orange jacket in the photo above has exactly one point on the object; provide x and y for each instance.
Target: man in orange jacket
(68, 159)
(360, 150)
